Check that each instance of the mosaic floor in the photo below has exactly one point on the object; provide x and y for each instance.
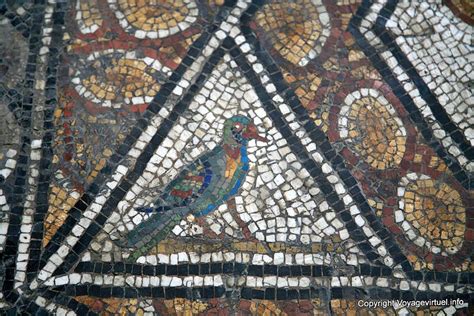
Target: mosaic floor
(211, 157)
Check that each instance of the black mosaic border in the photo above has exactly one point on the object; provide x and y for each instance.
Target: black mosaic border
(219, 268)
(269, 293)
(155, 105)
(234, 268)
(389, 77)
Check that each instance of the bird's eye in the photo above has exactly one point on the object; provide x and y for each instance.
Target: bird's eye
(238, 126)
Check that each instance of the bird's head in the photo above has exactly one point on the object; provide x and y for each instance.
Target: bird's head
(240, 129)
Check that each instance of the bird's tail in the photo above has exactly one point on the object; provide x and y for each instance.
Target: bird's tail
(150, 232)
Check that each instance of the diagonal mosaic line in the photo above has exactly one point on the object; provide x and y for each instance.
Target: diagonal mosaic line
(389, 77)
(42, 116)
(438, 111)
(414, 114)
(45, 163)
(39, 182)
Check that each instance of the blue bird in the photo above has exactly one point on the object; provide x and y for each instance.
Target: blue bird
(200, 187)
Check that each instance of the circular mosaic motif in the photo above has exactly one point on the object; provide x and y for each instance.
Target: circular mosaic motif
(431, 213)
(297, 29)
(155, 19)
(113, 78)
(372, 129)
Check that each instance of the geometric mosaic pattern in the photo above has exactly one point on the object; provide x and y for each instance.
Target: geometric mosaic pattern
(238, 157)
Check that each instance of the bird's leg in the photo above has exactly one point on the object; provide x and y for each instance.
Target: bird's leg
(201, 221)
(233, 211)
(231, 206)
(206, 229)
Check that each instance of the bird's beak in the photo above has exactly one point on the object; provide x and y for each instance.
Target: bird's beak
(251, 132)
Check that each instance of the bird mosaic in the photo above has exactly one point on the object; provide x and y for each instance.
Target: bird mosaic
(199, 189)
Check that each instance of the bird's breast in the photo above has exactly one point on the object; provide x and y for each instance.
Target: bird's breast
(231, 166)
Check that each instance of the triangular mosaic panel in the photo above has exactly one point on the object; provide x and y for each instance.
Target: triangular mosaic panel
(204, 157)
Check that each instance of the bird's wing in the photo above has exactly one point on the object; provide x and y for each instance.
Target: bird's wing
(190, 183)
